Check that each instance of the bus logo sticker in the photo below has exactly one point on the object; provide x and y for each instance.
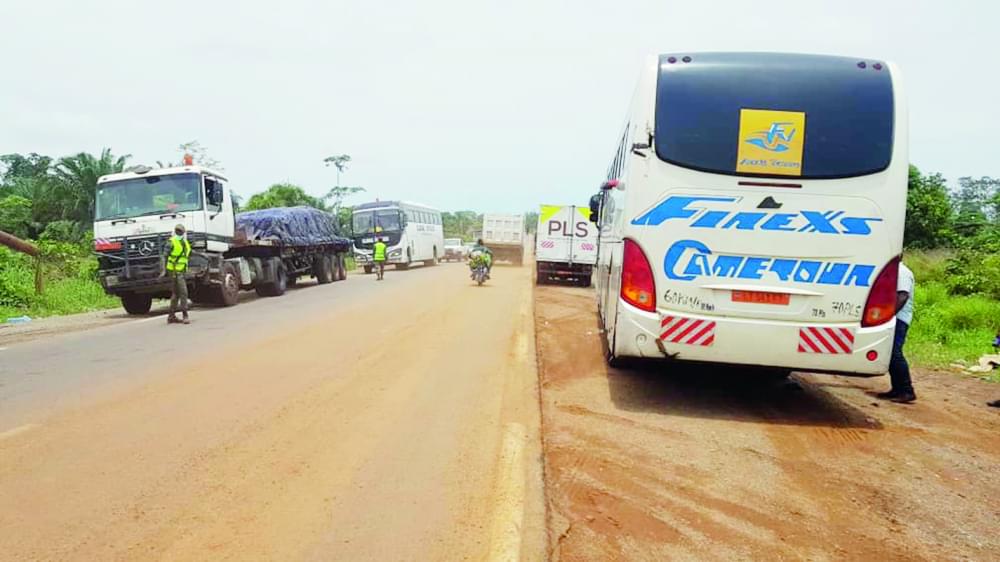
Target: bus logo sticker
(771, 142)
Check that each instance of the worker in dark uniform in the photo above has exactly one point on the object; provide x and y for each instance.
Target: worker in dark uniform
(177, 262)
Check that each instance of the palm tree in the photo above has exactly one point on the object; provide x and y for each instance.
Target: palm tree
(78, 175)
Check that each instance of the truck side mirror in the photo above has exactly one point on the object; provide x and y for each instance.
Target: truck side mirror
(595, 206)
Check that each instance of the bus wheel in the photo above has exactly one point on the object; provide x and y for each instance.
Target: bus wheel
(434, 260)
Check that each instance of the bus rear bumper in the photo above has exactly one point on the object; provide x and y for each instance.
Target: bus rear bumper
(833, 348)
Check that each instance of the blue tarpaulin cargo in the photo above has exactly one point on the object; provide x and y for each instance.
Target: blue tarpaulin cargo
(288, 226)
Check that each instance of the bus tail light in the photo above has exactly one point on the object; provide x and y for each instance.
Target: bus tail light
(638, 287)
(881, 304)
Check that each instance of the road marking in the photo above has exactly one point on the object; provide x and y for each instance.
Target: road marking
(3, 349)
(508, 518)
(17, 431)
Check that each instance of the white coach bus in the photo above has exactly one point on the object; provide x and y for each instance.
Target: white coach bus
(412, 233)
(753, 213)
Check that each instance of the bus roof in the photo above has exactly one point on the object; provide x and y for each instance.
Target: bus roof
(390, 205)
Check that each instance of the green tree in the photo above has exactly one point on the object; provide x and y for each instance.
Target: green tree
(338, 161)
(461, 224)
(15, 216)
(16, 167)
(531, 221)
(930, 219)
(77, 181)
(283, 195)
(975, 197)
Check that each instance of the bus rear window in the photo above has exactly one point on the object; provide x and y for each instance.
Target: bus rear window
(774, 114)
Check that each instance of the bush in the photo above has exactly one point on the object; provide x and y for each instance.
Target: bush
(17, 278)
(63, 231)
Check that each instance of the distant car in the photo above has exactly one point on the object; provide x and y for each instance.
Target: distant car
(454, 250)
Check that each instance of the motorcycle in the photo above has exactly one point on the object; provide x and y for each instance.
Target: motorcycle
(479, 264)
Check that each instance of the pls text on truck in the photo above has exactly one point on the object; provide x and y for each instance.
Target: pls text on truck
(265, 250)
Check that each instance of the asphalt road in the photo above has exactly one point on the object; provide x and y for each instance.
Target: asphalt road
(358, 420)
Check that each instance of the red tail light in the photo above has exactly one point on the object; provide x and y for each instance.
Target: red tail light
(638, 287)
(881, 304)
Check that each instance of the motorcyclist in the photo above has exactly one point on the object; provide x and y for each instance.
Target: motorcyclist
(487, 253)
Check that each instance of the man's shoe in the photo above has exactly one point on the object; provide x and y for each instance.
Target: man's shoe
(172, 319)
(186, 320)
(887, 395)
(995, 403)
(904, 398)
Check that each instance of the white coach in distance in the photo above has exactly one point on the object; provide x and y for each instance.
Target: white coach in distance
(753, 213)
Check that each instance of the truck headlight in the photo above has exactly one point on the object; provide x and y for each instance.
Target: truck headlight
(396, 253)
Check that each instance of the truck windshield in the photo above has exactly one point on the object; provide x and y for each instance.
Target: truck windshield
(154, 195)
(386, 221)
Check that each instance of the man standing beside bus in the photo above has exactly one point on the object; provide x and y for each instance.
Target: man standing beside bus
(378, 256)
(899, 369)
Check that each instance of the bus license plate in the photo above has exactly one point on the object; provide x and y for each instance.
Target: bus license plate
(760, 297)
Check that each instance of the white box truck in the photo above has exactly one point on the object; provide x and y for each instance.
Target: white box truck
(504, 235)
(565, 245)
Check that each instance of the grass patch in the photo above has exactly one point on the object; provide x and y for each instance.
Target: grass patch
(70, 286)
(64, 296)
(948, 328)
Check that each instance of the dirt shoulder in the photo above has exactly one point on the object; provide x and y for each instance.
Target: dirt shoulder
(721, 464)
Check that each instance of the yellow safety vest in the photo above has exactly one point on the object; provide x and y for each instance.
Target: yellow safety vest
(180, 249)
(379, 251)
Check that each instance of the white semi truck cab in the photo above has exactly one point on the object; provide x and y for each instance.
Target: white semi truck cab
(135, 216)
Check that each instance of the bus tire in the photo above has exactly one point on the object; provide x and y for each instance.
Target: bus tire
(137, 304)
(321, 269)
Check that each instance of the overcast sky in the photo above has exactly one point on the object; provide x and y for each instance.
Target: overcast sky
(455, 103)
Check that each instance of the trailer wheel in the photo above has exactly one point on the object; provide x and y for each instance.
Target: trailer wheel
(137, 304)
(339, 269)
(321, 269)
(277, 287)
(228, 294)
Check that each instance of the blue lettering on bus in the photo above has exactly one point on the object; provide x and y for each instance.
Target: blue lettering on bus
(682, 207)
(687, 260)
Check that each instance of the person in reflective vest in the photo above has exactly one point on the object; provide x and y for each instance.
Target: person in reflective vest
(177, 263)
(378, 256)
